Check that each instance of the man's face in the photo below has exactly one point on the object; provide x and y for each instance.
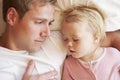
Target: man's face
(32, 30)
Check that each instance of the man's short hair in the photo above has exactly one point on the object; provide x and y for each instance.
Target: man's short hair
(21, 6)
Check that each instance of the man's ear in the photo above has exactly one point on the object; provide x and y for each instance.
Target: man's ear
(12, 16)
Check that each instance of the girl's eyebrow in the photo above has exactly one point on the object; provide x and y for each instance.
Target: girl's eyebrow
(75, 35)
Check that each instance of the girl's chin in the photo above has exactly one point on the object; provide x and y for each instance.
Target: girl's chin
(76, 56)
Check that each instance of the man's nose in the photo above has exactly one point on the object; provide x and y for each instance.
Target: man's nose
(45, 32)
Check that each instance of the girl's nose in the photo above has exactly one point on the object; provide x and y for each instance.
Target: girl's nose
(69, 44)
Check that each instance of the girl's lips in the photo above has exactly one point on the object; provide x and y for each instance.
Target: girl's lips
(71, 51)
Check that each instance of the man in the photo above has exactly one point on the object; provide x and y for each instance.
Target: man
(27, 27)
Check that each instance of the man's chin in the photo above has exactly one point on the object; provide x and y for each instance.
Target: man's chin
(32, 51)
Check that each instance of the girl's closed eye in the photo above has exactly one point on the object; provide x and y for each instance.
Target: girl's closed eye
(75, 39)
(65, 39)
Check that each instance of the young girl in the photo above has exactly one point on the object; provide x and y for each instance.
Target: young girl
(83, 31)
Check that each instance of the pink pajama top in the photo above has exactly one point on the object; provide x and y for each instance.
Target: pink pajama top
(107, 67)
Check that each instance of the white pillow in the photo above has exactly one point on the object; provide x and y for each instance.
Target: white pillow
(110, 7)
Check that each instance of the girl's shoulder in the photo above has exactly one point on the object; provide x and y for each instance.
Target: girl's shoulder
(112, 53)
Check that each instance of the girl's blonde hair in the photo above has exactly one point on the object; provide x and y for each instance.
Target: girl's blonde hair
(94, 17)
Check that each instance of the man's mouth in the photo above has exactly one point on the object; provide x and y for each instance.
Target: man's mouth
(72, 51)
(40, 41)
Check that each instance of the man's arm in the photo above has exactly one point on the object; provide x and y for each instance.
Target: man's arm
(28, 74)
(112, 39)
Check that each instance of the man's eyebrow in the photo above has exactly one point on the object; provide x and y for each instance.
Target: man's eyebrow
(41, 19)
(44, 19)
(52, 20)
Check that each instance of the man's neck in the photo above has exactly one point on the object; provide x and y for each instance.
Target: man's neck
(5, 41)
(2, 41)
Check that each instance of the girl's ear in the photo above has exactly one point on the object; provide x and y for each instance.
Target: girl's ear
(12, 16)
(97, 38)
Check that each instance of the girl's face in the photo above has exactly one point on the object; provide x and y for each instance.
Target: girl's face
(78, 39)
